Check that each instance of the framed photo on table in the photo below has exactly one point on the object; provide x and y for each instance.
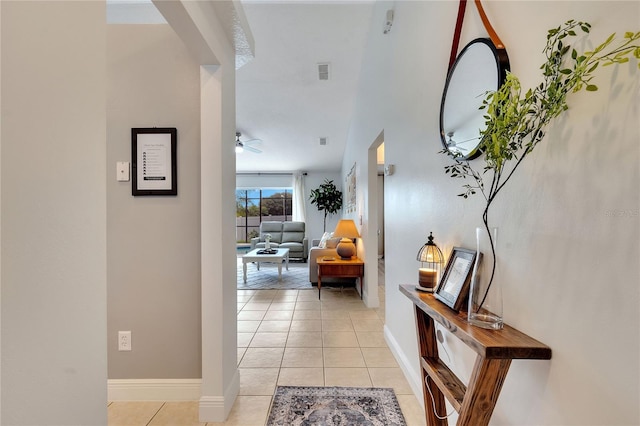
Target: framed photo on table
(454, 285)
(153, 160)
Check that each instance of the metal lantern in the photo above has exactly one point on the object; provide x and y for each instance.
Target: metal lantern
(431, 260)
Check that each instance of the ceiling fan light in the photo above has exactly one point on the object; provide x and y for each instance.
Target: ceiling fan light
(239, 148)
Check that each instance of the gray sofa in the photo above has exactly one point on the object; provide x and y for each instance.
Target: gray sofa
(284, 235)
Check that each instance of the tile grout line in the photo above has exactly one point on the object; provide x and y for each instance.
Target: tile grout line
(155, 414)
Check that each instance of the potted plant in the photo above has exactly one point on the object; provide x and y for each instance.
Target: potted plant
(327, 198)
(516, 121)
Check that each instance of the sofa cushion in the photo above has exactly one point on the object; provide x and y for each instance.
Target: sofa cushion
(333, 242)
(293, 227)
(272, 228)
(292, 232)
(293, 247)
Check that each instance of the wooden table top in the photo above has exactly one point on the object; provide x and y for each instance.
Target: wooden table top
(324, 260)
(507, 343)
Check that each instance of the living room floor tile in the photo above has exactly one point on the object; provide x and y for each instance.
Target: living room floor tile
(244, 339)
(304, 339)
(184, 413)
(262, 357)
(356, 377)
(339, 339)
(302, 357)
(371, 339)
(274, 326)
(282, 306)
(256, 306)
(268, 340)
(307, 306)
(378, 357)
(411, 410)
(337, 325)
(247, 410)
(306, 315)
(343, 357)
(301, 377)
(335, 315)
(390, 378)
(368, 325)
(278, 316)
(258, 381)
(307, 325)
(251, 315)
(248, 326)
(132, 413)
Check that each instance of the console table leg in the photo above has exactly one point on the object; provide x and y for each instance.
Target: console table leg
(428, 348)
(483, 390)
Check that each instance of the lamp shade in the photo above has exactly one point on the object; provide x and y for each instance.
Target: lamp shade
(346, 229)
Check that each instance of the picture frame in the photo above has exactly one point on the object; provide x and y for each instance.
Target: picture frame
(154, 166)
(350, 202)
(454, 284)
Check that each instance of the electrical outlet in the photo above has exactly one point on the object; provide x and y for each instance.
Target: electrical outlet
(124, 340)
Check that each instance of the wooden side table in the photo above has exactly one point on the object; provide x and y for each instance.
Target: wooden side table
(495, 349)
(336, 267)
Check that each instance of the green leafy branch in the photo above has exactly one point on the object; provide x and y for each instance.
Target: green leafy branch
(515, 124)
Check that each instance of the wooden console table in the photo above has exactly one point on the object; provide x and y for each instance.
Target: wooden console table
(351, 268)
(495, 348)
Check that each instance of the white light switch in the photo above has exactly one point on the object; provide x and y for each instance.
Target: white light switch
(122, 171)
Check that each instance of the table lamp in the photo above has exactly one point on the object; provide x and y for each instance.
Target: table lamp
(431, 259)
(346, 229)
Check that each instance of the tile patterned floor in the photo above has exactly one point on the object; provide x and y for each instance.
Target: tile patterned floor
(288, 337)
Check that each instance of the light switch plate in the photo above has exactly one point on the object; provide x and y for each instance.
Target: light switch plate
(122, 171)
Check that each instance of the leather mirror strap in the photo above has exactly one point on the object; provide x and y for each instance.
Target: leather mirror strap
(456, 35)
(487, 25)
(459, 21)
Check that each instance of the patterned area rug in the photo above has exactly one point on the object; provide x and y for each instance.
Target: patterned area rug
(332, 406)
(297, 277)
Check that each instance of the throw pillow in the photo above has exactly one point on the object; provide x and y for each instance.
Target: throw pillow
(323, 240)
(333, 243)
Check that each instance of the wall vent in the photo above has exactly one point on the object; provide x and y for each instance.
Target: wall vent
(323, 71)
(323, 141)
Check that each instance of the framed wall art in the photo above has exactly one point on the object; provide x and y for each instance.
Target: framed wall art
(153, 161)
(350, 204)
(454, 284)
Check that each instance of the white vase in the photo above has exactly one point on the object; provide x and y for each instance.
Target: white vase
(485, 294)
(267, 245)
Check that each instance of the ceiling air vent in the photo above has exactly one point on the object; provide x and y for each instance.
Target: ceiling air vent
(323, 141)
(323, 71)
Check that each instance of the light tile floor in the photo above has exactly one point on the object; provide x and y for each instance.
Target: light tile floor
(288, 337)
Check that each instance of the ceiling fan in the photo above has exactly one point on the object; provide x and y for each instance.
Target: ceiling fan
(241, 146)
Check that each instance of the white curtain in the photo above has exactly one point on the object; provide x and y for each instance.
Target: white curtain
(298, 198)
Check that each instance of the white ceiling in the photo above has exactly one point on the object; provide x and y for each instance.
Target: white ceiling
(280, 99)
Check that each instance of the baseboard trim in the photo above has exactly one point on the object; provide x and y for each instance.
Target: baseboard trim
(410, 374)
(153, 389)
(216, 408)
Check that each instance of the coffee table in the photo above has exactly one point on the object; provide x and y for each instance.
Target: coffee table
(277, 258)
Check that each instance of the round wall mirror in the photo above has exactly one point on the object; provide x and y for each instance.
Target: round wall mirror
(478, 69)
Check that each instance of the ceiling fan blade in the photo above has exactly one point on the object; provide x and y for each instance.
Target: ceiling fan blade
(253, 142)
(252, 149)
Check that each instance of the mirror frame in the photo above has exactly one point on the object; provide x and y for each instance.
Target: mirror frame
(502, 64)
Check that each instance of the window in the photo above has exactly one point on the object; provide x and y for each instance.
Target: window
(254, 206)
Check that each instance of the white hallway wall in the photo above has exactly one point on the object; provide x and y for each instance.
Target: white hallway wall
(561, 287)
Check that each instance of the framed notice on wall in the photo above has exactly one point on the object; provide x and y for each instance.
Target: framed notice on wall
(153, 158)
